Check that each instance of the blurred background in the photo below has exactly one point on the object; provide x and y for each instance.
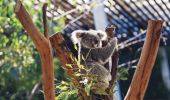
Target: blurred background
(20, 65)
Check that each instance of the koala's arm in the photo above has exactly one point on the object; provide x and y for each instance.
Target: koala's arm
(103, 54)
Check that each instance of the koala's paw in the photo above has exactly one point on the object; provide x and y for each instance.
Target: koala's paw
(100, 88)
(109, 78)
(113, 40)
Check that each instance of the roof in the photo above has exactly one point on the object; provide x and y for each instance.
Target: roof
(129, 16)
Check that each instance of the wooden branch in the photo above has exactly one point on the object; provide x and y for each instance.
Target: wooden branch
(35, 89)
(44, 48)
(64, 55)
(115, 58)
(28, 25)
(45, 20)
(146, 62)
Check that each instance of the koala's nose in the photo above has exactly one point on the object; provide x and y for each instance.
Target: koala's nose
(97, 45)
(96, 42)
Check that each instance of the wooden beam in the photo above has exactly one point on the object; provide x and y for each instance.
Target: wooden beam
(146, 62)
(125, 8)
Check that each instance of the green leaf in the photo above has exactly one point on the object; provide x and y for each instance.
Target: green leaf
(123, 73)
(62, 87)
(75, 47)
(83, 58)
(24, 38)
(76, 60)
(71, 56)
(63, 82)
(69, 65)
(88, 88)
(69, 95)
(123, 78)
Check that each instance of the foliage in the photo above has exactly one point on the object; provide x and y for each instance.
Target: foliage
(20, 66)
(19, 61)
(122, 73)
(66, 91)
(87, 81)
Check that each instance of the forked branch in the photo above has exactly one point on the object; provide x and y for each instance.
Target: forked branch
(146, 62)
(43, 46)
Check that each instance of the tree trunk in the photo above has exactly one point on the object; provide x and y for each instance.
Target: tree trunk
(146, 62)
(43, 46)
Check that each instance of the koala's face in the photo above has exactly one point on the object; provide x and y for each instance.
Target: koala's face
(90, 41)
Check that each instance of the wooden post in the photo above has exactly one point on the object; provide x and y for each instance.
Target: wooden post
(44, 48)
(146, 62)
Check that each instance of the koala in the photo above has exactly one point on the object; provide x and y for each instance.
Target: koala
(96, 56)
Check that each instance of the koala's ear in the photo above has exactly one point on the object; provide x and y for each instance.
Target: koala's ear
(76, 36)
(100, 35)
(80, 34)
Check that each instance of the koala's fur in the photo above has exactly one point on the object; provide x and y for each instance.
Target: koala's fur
(89, 43)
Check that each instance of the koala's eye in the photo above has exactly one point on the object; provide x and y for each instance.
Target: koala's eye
(96, 42)
(90, 39)
(86, 40)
